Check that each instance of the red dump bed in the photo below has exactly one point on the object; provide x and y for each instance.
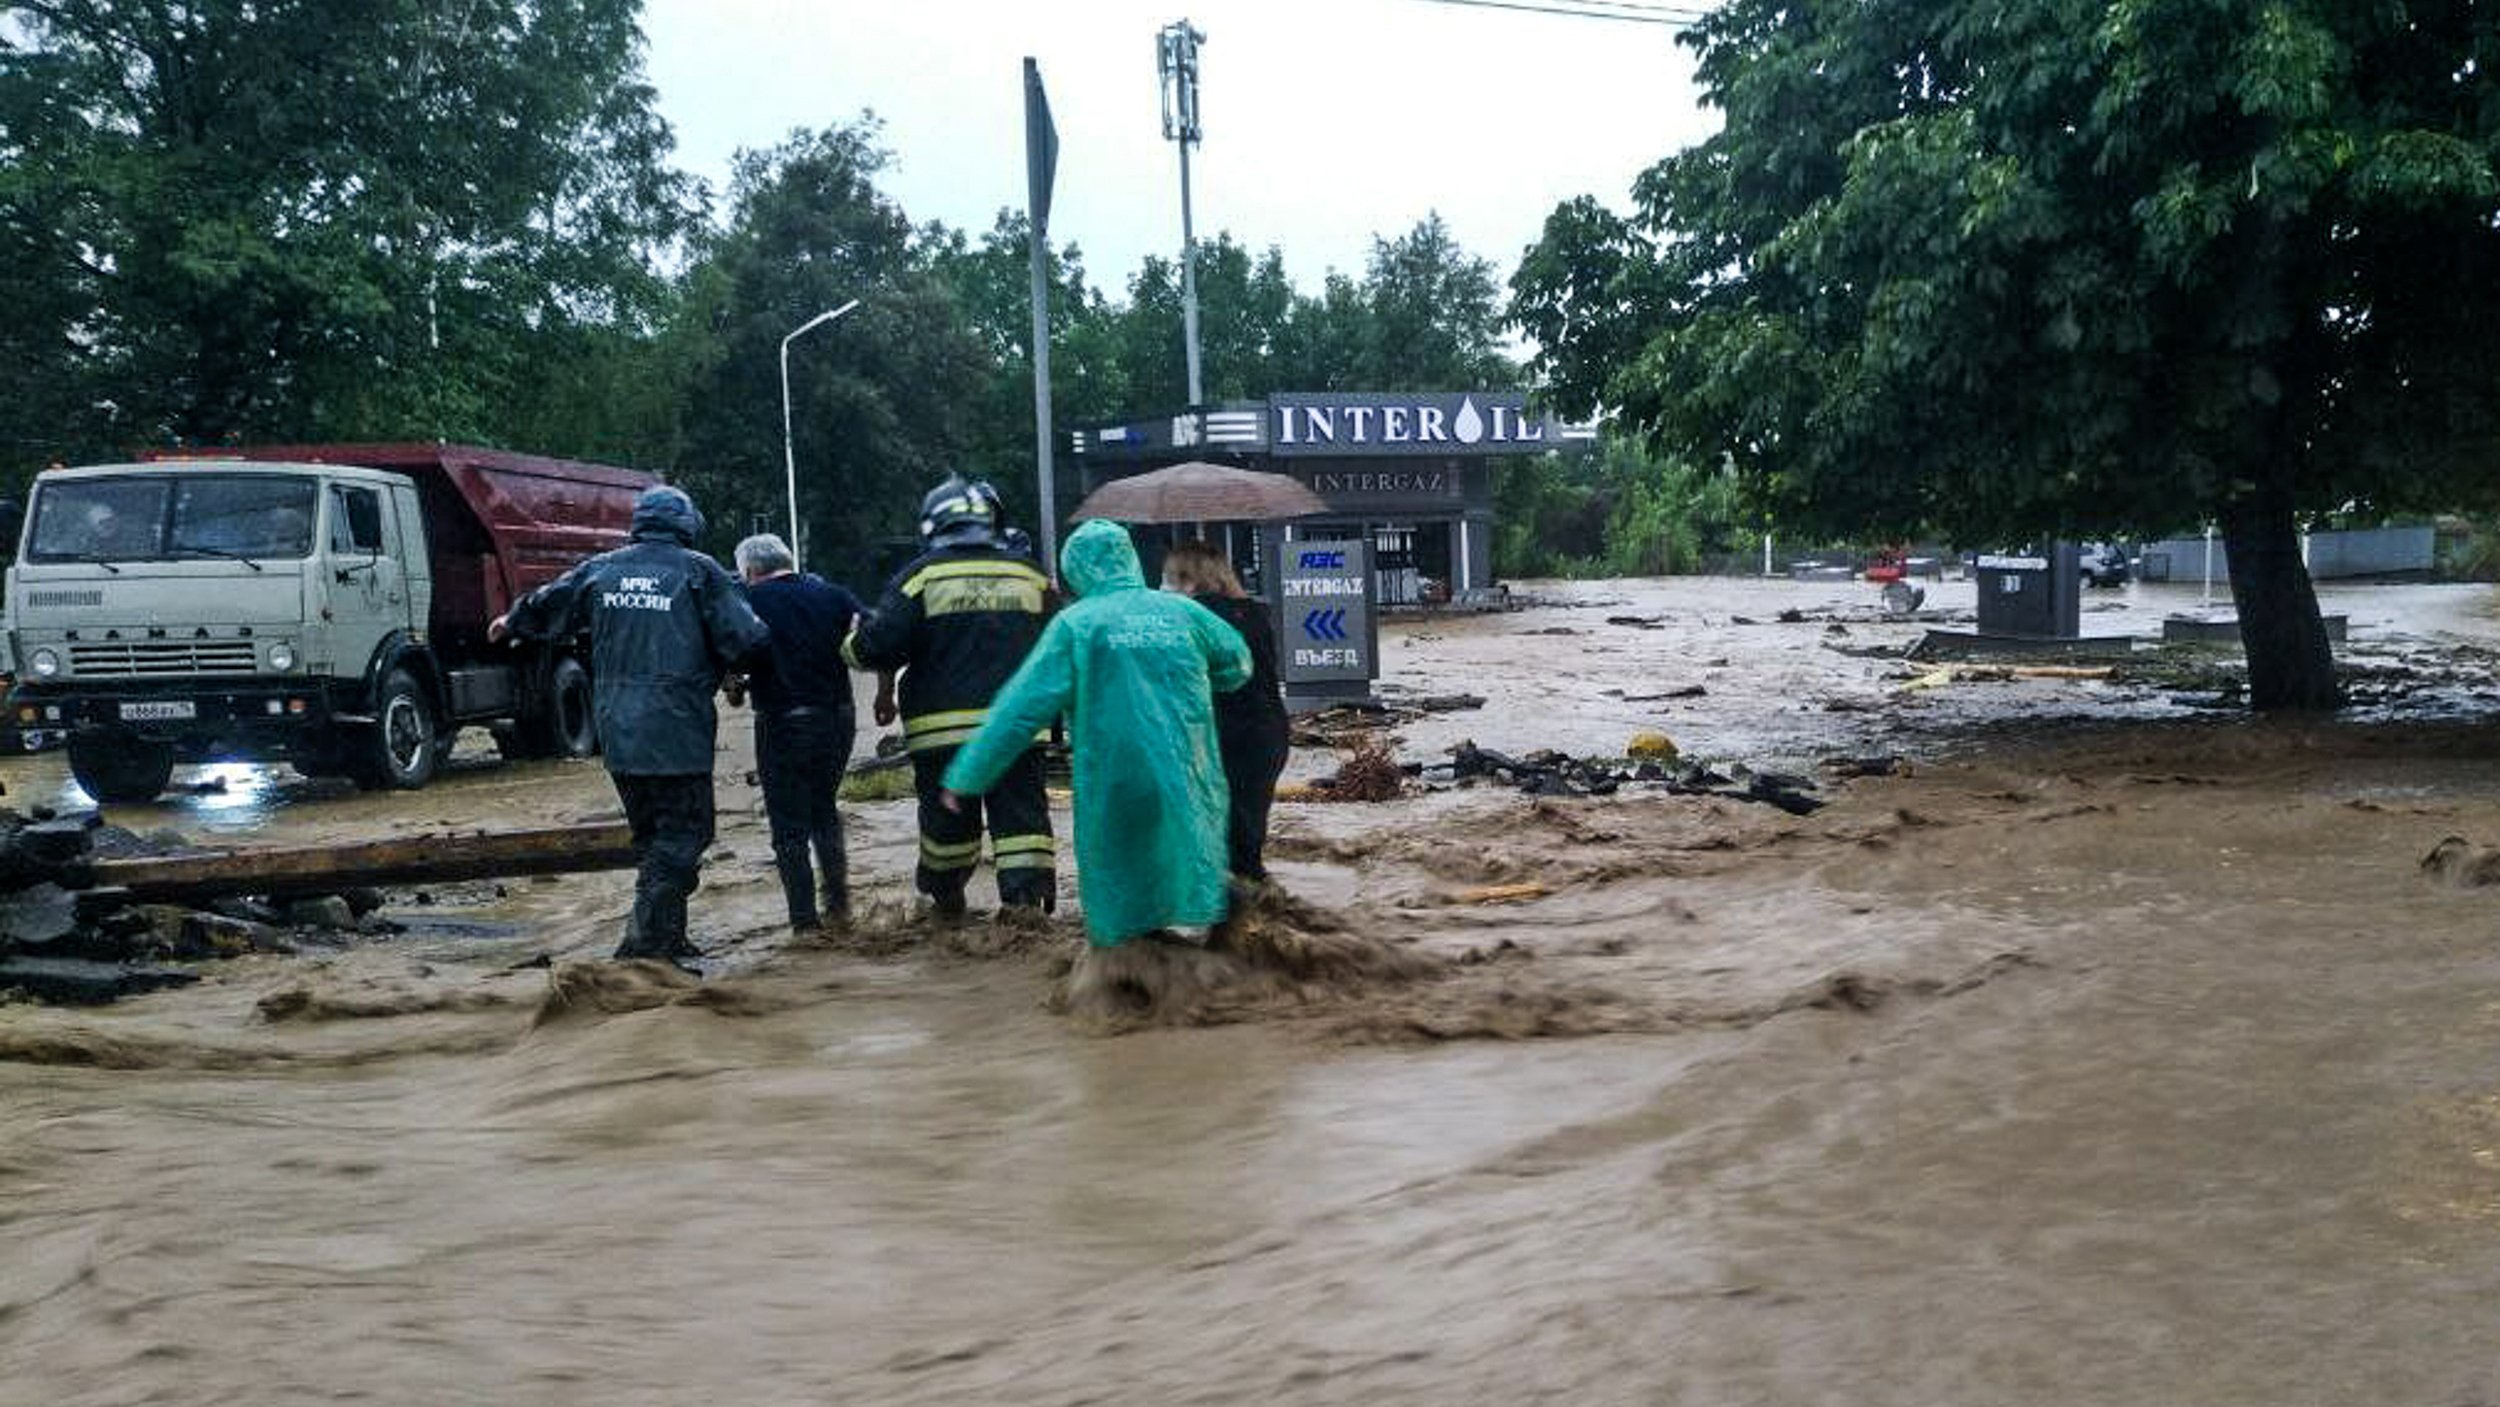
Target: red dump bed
(497, 523)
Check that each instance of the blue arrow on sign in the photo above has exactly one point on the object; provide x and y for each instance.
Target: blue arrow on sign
(1324, 625)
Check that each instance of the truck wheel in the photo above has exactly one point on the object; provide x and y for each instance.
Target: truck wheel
(120, 769)
(565, 727)
(401, 749)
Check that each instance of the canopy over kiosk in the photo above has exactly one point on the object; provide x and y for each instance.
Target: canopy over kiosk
(1406, 473)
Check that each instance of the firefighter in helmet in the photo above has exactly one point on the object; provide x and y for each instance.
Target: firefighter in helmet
(955, 622)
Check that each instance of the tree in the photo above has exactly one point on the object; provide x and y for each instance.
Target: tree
(298, 219)
(877, 400)
(2034, 267)
(1435, 315)
(991, 282)
(1242, 303)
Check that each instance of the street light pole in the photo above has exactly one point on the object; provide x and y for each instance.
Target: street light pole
(789, 459)
(1176, 53)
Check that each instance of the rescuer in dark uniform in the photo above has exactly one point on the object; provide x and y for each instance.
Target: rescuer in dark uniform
(665, 622)
(956, 622)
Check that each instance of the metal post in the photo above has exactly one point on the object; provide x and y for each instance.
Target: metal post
(789, 457)
(2209, 565)
(1189, 286)
(1041, 417)
(1176, 54)
(1041, 151)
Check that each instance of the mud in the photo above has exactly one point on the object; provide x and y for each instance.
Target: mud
(2113, 1050)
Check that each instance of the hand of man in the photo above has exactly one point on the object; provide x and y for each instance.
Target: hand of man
(884, 711)
(951, 802)
(734, 688)
(499, 629)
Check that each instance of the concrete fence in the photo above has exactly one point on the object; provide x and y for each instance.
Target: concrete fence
(2352, 552)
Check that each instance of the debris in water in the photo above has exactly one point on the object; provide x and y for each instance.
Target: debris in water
(1505, 893)
(1651, 746)
(1549, 773)
(1370, 774)
(1883, 766)
(2458, 861)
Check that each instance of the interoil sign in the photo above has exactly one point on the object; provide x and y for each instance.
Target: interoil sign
(1325, 631)
(1353, 425)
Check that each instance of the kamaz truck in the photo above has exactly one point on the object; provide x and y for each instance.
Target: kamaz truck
(321, 605)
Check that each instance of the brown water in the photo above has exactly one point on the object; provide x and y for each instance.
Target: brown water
(2137, 1064)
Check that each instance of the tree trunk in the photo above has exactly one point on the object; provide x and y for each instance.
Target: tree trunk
(2290, 666)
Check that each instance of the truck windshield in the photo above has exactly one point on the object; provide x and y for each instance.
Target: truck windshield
(143, 518)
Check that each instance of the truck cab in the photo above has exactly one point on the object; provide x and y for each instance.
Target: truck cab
(198, 610)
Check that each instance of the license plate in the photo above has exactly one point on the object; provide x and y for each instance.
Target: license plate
(157, 709)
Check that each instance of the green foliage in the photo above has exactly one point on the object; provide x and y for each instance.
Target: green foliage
(875, 398)
(2008, 268)
(1620, 513)
(298, 220)
(991, 283)
(287, 219)
(1426, 315)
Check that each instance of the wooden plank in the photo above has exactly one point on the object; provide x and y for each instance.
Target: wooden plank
(436, 857)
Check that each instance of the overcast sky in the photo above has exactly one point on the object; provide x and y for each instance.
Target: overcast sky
(1326, 121)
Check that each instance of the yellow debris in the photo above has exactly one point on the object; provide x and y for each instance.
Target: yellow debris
(1505, 893)
(1651, 747)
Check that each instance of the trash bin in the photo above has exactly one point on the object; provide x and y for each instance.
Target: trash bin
(2038, 594)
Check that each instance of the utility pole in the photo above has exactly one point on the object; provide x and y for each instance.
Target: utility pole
(1176, 55)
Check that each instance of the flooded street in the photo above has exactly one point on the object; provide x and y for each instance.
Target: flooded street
(2117, 1050)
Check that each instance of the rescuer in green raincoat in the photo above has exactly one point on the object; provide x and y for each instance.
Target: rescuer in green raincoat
(1135, 671)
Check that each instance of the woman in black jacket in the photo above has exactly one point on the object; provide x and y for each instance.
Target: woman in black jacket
(1250, 725)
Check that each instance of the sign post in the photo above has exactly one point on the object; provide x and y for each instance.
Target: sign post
(1041, 168)
(1326, 629)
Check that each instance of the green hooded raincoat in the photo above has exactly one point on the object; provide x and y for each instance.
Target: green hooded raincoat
(1135, 671)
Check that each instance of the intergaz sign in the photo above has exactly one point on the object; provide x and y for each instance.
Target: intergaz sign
(1325, 631)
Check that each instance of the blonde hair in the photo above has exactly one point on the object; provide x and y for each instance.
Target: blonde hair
(1200, 569)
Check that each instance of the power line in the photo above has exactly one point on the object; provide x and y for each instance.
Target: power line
(1621, 10)
(1684, 14)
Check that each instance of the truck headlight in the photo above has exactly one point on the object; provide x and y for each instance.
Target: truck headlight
(46, 663)
(282, 657)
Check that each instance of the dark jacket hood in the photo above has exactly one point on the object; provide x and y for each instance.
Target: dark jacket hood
(664, 511)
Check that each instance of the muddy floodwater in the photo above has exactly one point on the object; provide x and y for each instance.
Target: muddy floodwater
(2115, 1050)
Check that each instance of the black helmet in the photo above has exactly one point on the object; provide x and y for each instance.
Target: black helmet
(959, 513)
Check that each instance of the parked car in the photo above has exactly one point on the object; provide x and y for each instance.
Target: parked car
(2104, 564)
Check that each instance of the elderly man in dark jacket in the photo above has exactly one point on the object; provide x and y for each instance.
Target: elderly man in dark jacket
(804, 725)
(665, 623)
